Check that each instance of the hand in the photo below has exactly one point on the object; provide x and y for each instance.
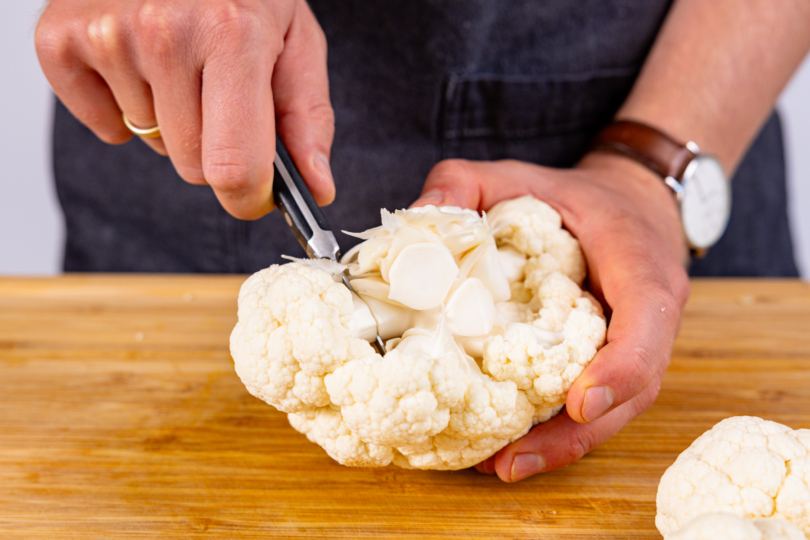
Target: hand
(628, 225)
(215, 76)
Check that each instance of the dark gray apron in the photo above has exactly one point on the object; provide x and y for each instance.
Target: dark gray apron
(413, 83)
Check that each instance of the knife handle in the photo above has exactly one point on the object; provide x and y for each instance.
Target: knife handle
(302, 213)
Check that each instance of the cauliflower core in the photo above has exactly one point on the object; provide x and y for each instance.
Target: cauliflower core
(745, 466)
(485, 325)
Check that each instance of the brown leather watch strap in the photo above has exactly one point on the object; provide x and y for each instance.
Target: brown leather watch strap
(647, 145)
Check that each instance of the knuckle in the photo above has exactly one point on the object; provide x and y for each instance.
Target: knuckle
(238, 20)
(53, 43)
(228, 170)
(309, 29)
(161, 29)
(641, 364)
(680, 285)
(455, 169)
(583, 442)
(323, 114)
(319, 39)
(662, 296)
(105, 40)
(670, 307)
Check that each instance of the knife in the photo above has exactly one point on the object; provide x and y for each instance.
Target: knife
(304, 216)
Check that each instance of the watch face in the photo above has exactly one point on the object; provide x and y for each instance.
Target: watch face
(706, 202)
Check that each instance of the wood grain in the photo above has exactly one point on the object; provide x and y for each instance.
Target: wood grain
(121, 417)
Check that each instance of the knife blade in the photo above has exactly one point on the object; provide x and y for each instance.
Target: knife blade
(305, 218)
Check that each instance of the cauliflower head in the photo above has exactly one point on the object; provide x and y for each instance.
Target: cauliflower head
(746, 466)
(726, 526)
(485, 325)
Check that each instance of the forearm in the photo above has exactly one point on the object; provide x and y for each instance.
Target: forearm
(716, 69)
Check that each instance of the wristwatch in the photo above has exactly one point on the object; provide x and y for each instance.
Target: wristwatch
(701, 187)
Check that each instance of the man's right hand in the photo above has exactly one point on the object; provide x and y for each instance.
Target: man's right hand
(215, 75)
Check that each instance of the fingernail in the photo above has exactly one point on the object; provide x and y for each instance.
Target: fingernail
(322, 163)
(434, 197)
(598, 399)
(525, 465)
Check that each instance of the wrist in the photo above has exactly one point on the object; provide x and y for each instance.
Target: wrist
(625, 175)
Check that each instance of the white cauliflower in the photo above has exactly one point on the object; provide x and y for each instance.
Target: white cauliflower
(726, 526)
(291, 333)
(747, 466)
(485, 328)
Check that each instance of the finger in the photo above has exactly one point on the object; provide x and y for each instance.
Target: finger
(179, 115)
(238, 130)
(80, 88)
(133, 95)
(306, 121)
(639, 341)
(175, 78)
(645, 290)
(561, 440)
(487, 466)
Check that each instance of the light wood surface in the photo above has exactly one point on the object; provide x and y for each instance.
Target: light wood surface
(121, 417)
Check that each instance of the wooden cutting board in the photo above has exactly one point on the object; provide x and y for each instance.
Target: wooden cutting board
(121, 417)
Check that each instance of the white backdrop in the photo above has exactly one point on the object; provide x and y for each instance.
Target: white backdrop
(30, 242)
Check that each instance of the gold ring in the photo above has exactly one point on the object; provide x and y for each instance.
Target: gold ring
(149, 133)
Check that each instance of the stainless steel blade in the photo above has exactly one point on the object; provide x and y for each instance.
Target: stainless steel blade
(378, 342)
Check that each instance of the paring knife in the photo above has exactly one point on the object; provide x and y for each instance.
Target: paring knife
(304, 216)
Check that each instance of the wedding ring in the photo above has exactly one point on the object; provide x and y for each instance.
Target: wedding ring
(149, 133)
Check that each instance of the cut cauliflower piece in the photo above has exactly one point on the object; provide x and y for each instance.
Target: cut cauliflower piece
(726, 526)
(744, 465)
(473, 359)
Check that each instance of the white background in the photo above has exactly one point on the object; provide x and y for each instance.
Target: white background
(31, 225)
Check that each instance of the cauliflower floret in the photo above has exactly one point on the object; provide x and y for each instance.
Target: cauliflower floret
(326, 428)
(535, 229)
(469, 367)
(545, 364)
(427, 387)
(726, 526)
(491, 409)
(444, 452)
(389, 402)
(743, 465)
(291, 332)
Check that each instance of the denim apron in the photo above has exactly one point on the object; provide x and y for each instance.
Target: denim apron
(413, 83)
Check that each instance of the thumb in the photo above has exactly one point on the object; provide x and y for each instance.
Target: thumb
(452, 182)
(304, 117)
(476, 184)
